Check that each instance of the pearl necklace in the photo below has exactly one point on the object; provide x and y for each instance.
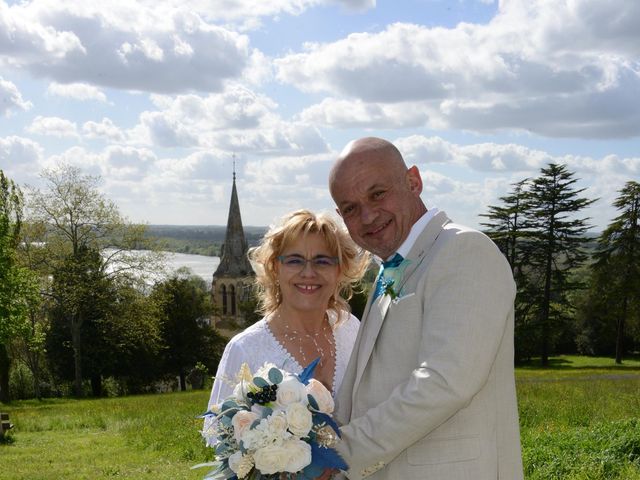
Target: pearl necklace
(294, 336)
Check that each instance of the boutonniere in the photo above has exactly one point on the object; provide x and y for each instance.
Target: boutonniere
(387, 288)
(392, 277)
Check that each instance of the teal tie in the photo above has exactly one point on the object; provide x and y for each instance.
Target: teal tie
(394, 262)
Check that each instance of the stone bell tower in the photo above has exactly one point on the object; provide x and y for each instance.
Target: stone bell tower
(233, 279)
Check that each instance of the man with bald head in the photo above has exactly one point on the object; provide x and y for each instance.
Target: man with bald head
(429, 392)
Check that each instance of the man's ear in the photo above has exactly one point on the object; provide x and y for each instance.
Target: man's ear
(414, 180)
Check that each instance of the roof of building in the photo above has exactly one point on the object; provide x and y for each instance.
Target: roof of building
(233, 260)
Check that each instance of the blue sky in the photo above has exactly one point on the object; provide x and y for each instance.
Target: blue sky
(156, 97)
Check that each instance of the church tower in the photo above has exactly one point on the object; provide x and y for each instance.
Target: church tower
(233, 279)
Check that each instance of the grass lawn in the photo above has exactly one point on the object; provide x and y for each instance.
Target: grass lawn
(146, 437)
(580, 420)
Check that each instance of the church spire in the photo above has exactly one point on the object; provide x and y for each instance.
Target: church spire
(234, 261)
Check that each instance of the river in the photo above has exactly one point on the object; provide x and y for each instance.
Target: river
(201, 265)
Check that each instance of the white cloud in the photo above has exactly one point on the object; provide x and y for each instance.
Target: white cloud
(10, 98)
(249, 12)
(193, 120)
(237, 119)
(204, 165)
(19, 151)
(480, 157)
(105, 129)
(124, 45)
(356, 5)
(165, 131)
(53, 126)
(127, 163)
(342, 113)
(90, 162)
(77, 91)
(279, 138)
(24, 38)
(577, 59)
(112, 163)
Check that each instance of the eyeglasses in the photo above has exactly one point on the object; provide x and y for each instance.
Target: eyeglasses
(297, 263)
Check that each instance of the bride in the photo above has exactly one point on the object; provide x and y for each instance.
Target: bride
(305, 270)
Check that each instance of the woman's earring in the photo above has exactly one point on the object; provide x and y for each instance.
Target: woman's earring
(278, 294)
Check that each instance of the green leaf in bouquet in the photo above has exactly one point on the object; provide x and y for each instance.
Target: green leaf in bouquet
(312, 402)
(260, 382)
(229, 405)
(226, 421)
(275, 376)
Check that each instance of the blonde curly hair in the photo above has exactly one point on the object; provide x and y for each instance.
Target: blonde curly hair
(353, 260)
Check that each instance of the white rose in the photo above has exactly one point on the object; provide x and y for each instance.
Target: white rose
(252, 438)
(321, 395)
(299, 419)
(277, 423)
(291, 390)
(271, 459)
(299, 455)
(234, 461)
(263, 371)
(241, 421)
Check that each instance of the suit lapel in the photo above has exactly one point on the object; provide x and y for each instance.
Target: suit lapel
(376, 311)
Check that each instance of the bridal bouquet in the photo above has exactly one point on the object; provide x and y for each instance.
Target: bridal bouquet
(276, 425)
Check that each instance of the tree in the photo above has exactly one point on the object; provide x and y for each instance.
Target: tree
(78, 223)
(30, 346)
(616, 272)
(506, 227)
(554, 248)
(121, 326)
(78, 293)
(187, 332)
(17, 286)
(505, 224)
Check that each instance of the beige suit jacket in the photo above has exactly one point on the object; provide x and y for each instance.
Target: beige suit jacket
(429, 392)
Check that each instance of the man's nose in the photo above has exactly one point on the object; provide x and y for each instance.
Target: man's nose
(368, 214)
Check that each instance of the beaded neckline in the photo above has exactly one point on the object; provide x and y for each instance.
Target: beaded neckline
(296, 335)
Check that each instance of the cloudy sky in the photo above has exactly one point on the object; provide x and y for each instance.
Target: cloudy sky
(157, 96)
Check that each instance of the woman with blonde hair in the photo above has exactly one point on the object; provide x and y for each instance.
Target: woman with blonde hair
(306, 268)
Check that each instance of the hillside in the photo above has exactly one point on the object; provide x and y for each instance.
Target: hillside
(198, 239)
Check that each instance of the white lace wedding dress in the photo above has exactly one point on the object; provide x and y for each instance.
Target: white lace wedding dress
(257, 345)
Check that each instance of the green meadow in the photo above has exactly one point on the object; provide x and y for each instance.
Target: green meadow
(580, 420)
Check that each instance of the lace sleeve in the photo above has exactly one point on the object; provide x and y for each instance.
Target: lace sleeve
(224, 381)
(228, 367)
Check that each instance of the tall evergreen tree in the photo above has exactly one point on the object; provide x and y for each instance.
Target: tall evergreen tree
(505, 225)
(554, 249)
(617, 267)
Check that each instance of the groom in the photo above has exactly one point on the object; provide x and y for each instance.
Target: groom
(429, 392)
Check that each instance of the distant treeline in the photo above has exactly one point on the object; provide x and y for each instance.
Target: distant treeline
(198, 239)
